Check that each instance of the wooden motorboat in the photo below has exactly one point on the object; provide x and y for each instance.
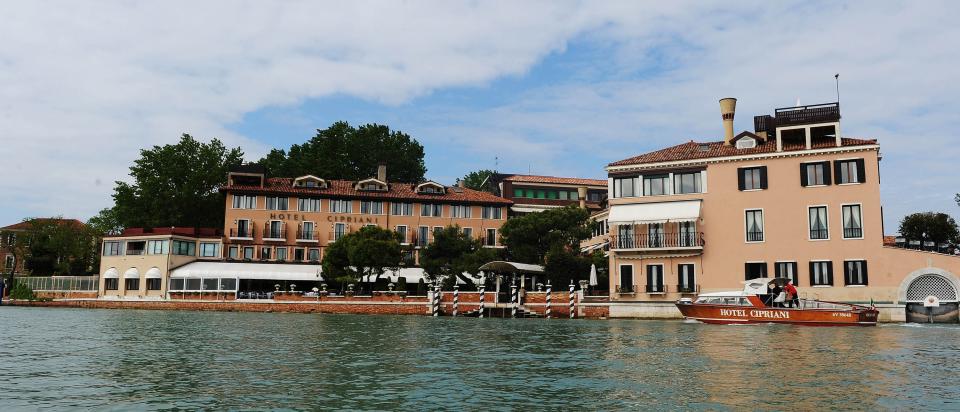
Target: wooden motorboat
(750, 306)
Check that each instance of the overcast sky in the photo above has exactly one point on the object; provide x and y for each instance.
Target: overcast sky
(558, 88)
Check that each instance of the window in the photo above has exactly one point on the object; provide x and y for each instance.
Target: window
(265, 252)
(243, 228)
(248, 252)
(184, 248)
(518, 193)
(437, 229)
(136, 248)
(655, 279)
(849, 171)
(815, 174)
(462, 211)
(277, 203)
(492, 212)
(307, 231)
(341, 206)
(210, 283)
(752, 178)
(468, 232)
(281, 253)
(852, 226)
(176, 284)
(818, 223)
(311, 205)
(625, 186)
(753, 270)
(656, 185)
(339, 229)
(855, 272)
(402, 232)
(401, 209)
(687, 183)
(686, 283)
(228, 284)
(370, 207)
(153, 284)
(423, 234)
(192, 284)
(821, 273)
(111, 284)
(754, 225)
(655, 235)
(688, 234)
(626, 279)
(491, 238)
(275, 230)
(233, 252)
(429, 210)
(314, 254)
(111, 248)
(157, 247)
(209, 249)
(131, 284)
(298, 254)
(244, 202)
(8, 262)
(788, 270)
(625, 238)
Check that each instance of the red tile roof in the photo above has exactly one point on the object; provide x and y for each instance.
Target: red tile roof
(26, 224)
(694, 150)
(345, 189)
(555, 180)
(889, 240)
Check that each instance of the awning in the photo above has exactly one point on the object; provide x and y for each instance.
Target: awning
(111, 273)
(531, 209)
(511, 267)
(660, 212)
(593, 247)
(264, 271)
(131, 273)
(411, 275)
(153, 273)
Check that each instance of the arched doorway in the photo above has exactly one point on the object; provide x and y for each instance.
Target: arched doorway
(940, 285)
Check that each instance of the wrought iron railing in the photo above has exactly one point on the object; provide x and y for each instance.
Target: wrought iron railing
(818, 233)
(852, 232)
(689, 288)
(242, 233)
(306, 235)
(656, 288)
(755, 236)
(271, 232)
(658, 240)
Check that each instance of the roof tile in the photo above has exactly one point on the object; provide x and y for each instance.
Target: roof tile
(693, 150)
(346, 189)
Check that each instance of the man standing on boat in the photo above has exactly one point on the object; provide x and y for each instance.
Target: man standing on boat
(792, 294)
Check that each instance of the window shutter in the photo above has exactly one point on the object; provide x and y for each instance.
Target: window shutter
(836, 172)
(864, 268)
(746, 271)
(740, 179)
(812, 280)
(803, 175)
(649, 275)
(763, 269)
(830, 273)
(763, 177)
(861, 173)
(826, 173)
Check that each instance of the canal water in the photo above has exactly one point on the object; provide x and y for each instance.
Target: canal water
(162, 360)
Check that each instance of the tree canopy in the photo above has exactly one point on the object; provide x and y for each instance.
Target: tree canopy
(938, 227)
(563, 265)
(529, 238)
(367, 251)
(452, 253)
(173, 185)
(56, 247)
(474, 180)
(342, 151)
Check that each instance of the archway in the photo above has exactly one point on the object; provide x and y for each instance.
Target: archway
(925, 283)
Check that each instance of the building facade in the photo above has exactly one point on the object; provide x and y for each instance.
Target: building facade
(792, 199)
(533, 193)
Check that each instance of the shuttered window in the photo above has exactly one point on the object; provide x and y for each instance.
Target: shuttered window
(752, 178)
(815, 174)
(855, 272)
(753, 270)
(821, 273)
(849, 171)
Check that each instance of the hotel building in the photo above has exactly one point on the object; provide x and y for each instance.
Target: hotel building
(794, 198)
(532, 193)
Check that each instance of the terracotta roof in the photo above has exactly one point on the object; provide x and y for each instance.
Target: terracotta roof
(889, 240)
(345, 189)
(555, 180)
(26, 224)
(706, 150)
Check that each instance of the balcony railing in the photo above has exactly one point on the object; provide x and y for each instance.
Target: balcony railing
(852, 232)
(274, 233)
(245, 233)
(755, 236)
(656, 288)
(626, 289)
(659, 241)
(307, 235)
(688, 289)
(818, 233)
(335, 236)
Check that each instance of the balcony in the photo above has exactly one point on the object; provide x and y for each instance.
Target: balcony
(852, 232)
(755, 236)
(275, 233)
(689, 289)
(819, 234)
(246, 233)
(335, 236)
(661, 241)
(655, 289)
(627, 289)
(307, 236)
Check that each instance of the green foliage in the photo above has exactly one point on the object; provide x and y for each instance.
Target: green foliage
(345, 152)
(173, 185)
(938, 227)
(529, 238)
(22, 292)
(451, 254)
(367, 251)
(58, 247)
(474, 180)
(107, 222)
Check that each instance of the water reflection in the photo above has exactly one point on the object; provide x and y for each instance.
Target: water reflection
(198, 360)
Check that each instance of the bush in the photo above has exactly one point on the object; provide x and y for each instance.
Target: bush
(22, 292)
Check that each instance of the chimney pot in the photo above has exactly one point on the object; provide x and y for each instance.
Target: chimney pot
(728, 108)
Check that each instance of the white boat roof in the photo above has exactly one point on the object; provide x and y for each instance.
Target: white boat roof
(729, 294)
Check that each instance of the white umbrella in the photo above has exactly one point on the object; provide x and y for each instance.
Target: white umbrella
(593, 275)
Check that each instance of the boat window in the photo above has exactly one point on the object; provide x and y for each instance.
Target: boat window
(743, 302)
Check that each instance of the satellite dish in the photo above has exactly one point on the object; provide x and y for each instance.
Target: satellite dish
(931, 302)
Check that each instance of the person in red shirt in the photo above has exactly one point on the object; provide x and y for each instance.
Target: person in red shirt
(792, 294)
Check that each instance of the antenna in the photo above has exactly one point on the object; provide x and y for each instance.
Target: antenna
(836, 77)
(496, 163)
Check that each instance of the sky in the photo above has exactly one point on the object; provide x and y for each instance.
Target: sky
(556, 88)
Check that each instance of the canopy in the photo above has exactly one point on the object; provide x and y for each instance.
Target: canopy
(531, 208)
(153, 273)
(411, 275)
(593, 247)
(512, 267)
(111, 273)
(756, 286)
(660, 212)
(264, 271)
(131, 273)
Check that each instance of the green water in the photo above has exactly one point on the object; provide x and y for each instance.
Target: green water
(162, 360)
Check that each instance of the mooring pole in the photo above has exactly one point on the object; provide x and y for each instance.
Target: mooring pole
(572, 313)
(436, 299)
(513, 299)
(549, 290)
(456, 299)
(483, 289)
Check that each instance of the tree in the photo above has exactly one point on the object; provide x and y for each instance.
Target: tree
(366, 252)
(173, 185)
(475, 180)
(453, 253)
(345, 152)
(58, 247)
(107, 222)
(937, 227)
(529, 238)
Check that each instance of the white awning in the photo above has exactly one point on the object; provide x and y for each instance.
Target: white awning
(264, 271)
(111, 273)
(153, 273)
(131, 273)
(593, 247)
(511, 267)
(411, 275)
(660, 212)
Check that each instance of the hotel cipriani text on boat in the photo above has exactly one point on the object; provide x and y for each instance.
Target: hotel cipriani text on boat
(793, 198)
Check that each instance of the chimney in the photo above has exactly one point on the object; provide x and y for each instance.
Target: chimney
(582, 194)
(382, 172)
(728, 107)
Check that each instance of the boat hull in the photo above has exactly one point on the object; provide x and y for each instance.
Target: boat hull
(731, 314)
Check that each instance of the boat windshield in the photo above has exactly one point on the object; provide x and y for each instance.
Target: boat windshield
(724, 300)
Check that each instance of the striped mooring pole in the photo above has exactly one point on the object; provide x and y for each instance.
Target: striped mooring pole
(483, 289)
(436, 299)
(549, 290)
(513, 300)
(572, 312)
(456, 299)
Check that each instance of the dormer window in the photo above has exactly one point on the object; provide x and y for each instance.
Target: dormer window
(430, 188)
(374, 185)
(746, 143)
(310, 181)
